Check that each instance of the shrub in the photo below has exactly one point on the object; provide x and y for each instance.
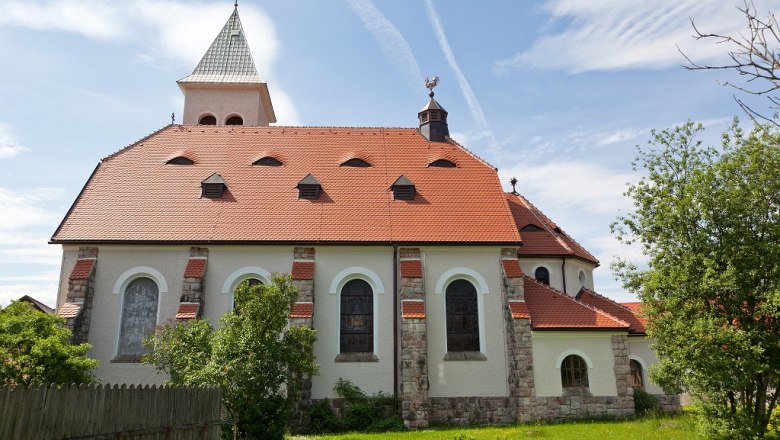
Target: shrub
(644, 402)
(361, 412)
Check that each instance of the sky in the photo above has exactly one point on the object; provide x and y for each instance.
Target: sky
(557, 93)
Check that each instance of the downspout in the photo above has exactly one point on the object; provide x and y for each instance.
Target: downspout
(395, 320)
(563, 274)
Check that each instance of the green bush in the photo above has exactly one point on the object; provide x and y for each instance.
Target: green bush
(360, 413)
(644, 402)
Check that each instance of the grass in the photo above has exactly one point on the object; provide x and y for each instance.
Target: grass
(650, 428)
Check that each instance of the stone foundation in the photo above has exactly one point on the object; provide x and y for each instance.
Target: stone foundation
(669, 403)
(577, 407)
(471, 410)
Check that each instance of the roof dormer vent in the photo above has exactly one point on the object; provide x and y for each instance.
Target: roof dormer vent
(180, 160)
(213, 187)
(355, 162)
(267, 161)
(442, 163)
(403, 189)
(309, 188)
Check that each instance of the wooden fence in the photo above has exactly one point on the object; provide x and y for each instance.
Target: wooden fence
(103, 411)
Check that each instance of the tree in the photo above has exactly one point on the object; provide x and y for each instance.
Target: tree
(254, 356)
(708, 219)
(754, 56)
(34, 349)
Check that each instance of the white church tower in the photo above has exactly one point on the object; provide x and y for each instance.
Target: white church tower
(225, 89)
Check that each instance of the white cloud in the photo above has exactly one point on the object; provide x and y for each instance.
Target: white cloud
(43, 289)
(173, 31)
(617, 34)
(465, 87)
(23, 209)
(619, 136)
(393, 44)
(9, 146)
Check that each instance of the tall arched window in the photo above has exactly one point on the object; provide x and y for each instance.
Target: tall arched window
(462, 317)
(636, 374)
(357, 317)
(139, 316)
(542, 275)
(251, 281)
(574, 371)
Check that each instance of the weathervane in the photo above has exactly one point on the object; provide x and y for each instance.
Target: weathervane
(430, 84)
(173, 118)
(513, 182)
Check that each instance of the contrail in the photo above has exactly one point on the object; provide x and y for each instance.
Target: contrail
(393, 44)
(465, 88)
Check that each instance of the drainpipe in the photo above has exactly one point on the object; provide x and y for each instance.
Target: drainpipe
(395, 319)
(563, 274)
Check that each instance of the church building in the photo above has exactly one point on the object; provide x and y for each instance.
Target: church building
(421, 275)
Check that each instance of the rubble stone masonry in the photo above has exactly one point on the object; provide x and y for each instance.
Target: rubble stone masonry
(414, 346)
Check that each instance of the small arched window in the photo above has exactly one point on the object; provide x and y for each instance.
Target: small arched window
(139, 316)
(530, 228)
(357, 317)
(234, 120)
(442, 163)
(542, 275)
(462, 317)
(355, 162)
(574, 371)
(636, 374)
(207, 120)
(583, 278)
(267, 161)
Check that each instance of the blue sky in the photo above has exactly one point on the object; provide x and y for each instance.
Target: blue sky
(556, 93)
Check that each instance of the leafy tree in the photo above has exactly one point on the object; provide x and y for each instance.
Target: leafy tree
(254, 356)
(34, 349)
(709, 221)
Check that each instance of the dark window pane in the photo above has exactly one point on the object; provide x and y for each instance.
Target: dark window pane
(234, 120)
(139, 315)
(636, 374)
(462, 317)
(542, 275)
(357, 317)
(208, 120)
(574, 372)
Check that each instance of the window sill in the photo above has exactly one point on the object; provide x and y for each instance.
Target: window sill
(465, 356)
(356, 357)
(127, 359)
(576, 391)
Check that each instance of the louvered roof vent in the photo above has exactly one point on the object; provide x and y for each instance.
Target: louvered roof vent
(309, 188)
(403, 189)
(213, 187)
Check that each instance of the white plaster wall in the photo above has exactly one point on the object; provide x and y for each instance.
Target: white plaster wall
(573, 268)
(548, 347)
(465, 378)
(69, 256)
(224, 261)
(112, 262)
(529, 265)
(224, 102)
(371, 377)
(639, 346)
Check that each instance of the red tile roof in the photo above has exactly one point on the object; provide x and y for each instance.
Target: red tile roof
(187, 311)
(303, 270)
(637, 326)
(196, 267)
(550, 240)
(134, 196)
(512, 268)
(413, 309)
(411, 268)
(70, 310)
(519, 309)
(302, 310)
(82, 269)
(554, 310)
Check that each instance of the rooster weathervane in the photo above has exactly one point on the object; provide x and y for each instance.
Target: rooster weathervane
(430, 83)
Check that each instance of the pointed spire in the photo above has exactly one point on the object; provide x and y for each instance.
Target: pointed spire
(433, 117)
(228, 60)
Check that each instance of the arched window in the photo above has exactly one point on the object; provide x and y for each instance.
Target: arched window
(207, 120)
(574, 371)
(139, 316)
(542, 275)
(234, 120)
(357, 317)
(462, 317)
(583, 278)
(636, 374)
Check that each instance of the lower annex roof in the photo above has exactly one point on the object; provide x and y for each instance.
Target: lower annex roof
(135, 196)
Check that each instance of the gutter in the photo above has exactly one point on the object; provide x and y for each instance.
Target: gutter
(563, 274)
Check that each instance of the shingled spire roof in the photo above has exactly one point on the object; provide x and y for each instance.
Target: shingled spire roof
(228, 60)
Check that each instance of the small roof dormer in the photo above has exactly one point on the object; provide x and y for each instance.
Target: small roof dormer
(403, 189)
(309, 188)
(213, 187)
(225, 87)
(433, 117)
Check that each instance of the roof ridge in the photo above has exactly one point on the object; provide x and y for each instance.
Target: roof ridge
(270, 127)
(474, 155)
(606, 298)
(139, 141)
(597, 310)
